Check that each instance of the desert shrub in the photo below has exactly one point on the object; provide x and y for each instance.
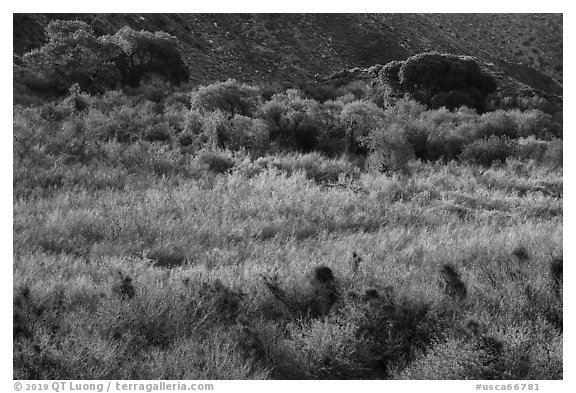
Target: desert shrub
(77, 100)
(216, 161)
(224, 132)
(73, 142)
(31, 130)
(248, 133)
(449, 360)
(395, 330)
(444, 146)
(390, 147)
(536, 123)
(404, 114)
(432, 134)
(322, 349)
(532, 149)
(322, 92)
(174, 115)
(360, 90)
(488, 151)
(146, 158)
(330, 130)
(127, 123)
(186, 139)
(417, 137)
(359, 119)
(192, 130)
(151, 89)
(447, 132)
(215, 129)
(292, 120)
(406, 109)
(268, 89)
(527, 103)
(178, 99)
(554, 154)
(230, 97)
(192, 122)
(498, 123)
(167, 256)
(315, 166)
(110, 100)
(161, 132)
(124, 124)
(527, 344)
(95, 176)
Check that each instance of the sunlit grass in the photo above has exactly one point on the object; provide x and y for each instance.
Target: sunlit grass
(209, 315)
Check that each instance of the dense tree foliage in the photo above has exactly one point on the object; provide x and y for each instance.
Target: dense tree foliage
(144, 53)
(438, 80)
(73, 54)
(359, 117)
(231, 97)
(292, 120)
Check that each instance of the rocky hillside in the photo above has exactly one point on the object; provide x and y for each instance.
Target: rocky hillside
(296, 48)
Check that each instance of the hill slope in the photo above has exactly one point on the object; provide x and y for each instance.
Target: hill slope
(296, 48)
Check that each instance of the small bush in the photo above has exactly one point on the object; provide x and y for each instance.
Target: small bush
(488, 151)
(230, 97)
(498, 123)
(315, 166)
(452, 359)
(532, 149)
(390, 147)
(555, 153)
(536, 123)
(159, 133)
(167, 256)
(216, 161)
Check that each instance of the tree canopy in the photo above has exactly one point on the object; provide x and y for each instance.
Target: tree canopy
(230, 96)
(144, 53)
(437, 80)
(73, 54)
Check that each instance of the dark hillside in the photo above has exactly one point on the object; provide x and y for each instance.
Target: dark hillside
(296, 48)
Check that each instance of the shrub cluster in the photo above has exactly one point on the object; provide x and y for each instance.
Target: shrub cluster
(487, 151)
(151, 129)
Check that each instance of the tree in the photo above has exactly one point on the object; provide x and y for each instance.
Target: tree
(359, 117)
(143, 53)
(292, 120)
(437, 80)
(390, 74)
(230, 97)
(72, 55)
